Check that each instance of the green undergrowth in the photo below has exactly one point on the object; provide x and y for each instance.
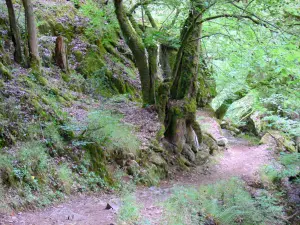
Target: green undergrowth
(105, 128)
(130, 211)
(45, 156)
(32, 177)
(225, 202)
(289, 168)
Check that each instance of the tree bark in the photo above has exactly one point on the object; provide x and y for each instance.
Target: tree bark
(152, 63)
(138, 49)
(16, 37)
(61, 54)
(32, 35)
(167, 57)
(182, 130)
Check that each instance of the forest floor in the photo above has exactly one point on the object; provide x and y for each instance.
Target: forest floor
(240, 159)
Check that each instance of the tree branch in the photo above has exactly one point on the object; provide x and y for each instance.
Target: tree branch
(232, 16)
(134, 7)
(150, 18)
(211, 35)
(252, 14)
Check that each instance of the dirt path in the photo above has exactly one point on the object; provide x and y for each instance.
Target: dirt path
(239, 160)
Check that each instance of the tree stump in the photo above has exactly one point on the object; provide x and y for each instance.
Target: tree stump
(61, 54)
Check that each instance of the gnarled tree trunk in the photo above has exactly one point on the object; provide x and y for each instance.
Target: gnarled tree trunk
(32, 35)
(16, 37)
(182, 131)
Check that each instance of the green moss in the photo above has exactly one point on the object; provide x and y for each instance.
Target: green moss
(5, 72)
(65, 30)
(162, 99)
(92, 62)
(54, 91)
(190, 105)
(1, 84)
(27, 82)
(4, 57)
(61, 99)
(44, 27)
(160, 133)
(152, 175)
(65, 77)
(68, 96)
(39, 77)
(45, 100)
(78, 55)
(183, 163)
(178, 112)
(38, 108)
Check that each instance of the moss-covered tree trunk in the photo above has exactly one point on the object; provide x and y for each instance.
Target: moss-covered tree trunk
(139, 52)
(32, 35)
(167, 57)
(16, 37)
(182, 131)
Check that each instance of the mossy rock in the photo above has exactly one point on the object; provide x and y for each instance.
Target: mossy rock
(203, 155)
(157, 160)
(210, 142)
(241, 109)
(152, 174)
(279, 140)
(183, 163)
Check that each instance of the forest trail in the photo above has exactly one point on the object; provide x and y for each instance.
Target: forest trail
(240, 159)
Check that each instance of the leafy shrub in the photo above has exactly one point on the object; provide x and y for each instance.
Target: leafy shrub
(286, 125)
(90, 181)
(290, 168)
(108, 131)
(52, 135)
(226, 202)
